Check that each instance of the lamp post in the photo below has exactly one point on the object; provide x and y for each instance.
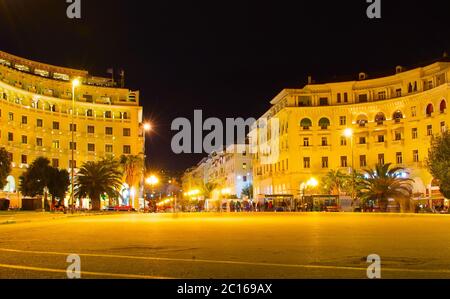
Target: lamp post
(152, 181)
(146, 127)
(349, 134)
(75, 83)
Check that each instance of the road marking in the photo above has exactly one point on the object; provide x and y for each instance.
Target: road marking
(227, 262)
(102, 274)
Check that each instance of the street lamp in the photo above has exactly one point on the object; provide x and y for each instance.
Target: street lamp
(75, 83)
(349, 134)
(146, 127)
(152, 181)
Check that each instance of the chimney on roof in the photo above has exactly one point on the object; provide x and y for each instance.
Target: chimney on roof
(310, 80)
(398, 69)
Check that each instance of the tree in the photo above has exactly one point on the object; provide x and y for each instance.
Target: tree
(207, 189)
(335, 182)
(133, 166)
(5, 167)
(438, 161)
(34, 181)
(58, 184)
(43, 179)
(248, 191)
(382, 183)
(97, 178)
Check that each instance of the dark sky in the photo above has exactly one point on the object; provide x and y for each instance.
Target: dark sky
(228, 58)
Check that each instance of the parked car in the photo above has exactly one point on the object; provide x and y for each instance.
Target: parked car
(123, 208)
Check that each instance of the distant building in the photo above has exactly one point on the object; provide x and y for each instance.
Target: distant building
(230, 171)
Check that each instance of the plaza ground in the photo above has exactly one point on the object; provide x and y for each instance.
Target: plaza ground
(225, 245)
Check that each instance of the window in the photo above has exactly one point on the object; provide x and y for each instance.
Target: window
(345, 97)
(24, 159)
(126, 132)
(10, 116)
(127, 149)
(323, 101)
(73, 127)
(343, 161)
(306, 123)
(362, 161)
(305, 141)
(10, 136)
(108, 130)
(324, 162)
(429, 110)
(73, 146)
(343, 141)
(108, 148)
(381, 159)
(429, 130)
(380, 138)
(324, 123)
(443, 127)
(24, 139)
(399, 157)
(413, 111)
(342, 120)
(244, 165)
(415, 156)
(24, 120)
(398, 92)
(414, 133)
(91, 147)
(108, 114)
(39, 123)
(55, 144)
(398, 136)
(362, 98)
(306, 162)
(89, 113)
(382, 95)
(362, 140)
(90, 129)
(72, 164)
(55, 125)
(324, 141)
(338, 97)
(398, 116)
(55, 163)
(380, 118)
(39, 142)
(443, 106)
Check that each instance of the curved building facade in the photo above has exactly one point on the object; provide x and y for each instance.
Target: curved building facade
(36, 117)
(392, 119)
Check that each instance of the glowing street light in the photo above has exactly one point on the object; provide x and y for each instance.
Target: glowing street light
(147, 127)
(348, 132)
(312, 183)
(152, 180)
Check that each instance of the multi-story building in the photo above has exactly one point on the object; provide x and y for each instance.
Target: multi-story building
(36, 116)
(391, 120)
(229, 171)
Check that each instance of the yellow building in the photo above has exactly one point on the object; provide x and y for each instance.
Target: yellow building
(36, 115)
(392, 120)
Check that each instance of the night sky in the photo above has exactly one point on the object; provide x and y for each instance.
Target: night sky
(228, 58)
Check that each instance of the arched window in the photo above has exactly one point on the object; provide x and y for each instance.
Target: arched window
(324, 123)
(306, 123)
(443, 106)
(397, 116)
(380, 118)
(362, 120)
(430, 109)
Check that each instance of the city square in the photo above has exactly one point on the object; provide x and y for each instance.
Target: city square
(227, 245)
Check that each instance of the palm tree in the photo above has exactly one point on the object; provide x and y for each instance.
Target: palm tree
(97, 178)
(336, 182)
(133, 166)
(382, 183)
(207, 189)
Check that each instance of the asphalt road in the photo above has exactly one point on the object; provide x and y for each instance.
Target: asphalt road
(228, 245)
